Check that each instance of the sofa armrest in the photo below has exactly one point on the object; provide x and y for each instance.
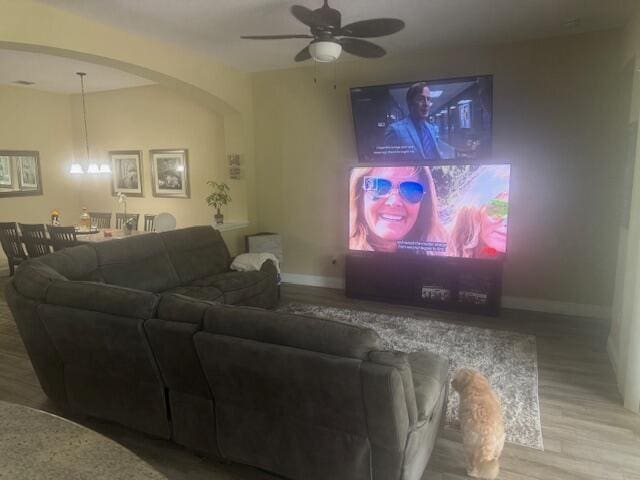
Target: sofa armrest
(100, 297)
(430, 374)
(269, 266)
(400, 361)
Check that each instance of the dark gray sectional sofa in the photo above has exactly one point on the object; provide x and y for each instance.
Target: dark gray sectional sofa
(140, 331)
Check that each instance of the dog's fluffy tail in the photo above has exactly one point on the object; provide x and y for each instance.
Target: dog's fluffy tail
(488, 470)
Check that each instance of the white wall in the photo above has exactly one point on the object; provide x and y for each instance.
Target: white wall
(624, 339)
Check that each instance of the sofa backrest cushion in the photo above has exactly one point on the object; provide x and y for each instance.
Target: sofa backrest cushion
(75, 263)
(139, 262)
(308, 333)
(34, 276)
(196, 252)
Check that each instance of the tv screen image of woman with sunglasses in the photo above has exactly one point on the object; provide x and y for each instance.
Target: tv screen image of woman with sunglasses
(445, 210)
(395, 208)
(479, 229)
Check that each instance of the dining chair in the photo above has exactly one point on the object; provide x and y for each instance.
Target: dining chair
(101, 219)
(62, 237)
(148, 222)
(121, 219)
(35, 239)
(164, 222)
(12, 245)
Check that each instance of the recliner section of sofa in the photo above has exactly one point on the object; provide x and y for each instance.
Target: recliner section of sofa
(170, 334)
(288, 392)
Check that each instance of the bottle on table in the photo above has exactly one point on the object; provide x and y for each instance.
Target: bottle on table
(85, 220)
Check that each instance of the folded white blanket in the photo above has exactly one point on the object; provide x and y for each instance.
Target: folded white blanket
(253, 261)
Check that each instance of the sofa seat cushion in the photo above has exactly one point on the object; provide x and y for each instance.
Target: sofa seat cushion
(236, 286)
(211, 294)
(430, 375)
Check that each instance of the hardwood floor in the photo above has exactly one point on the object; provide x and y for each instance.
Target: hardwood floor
(587, 433)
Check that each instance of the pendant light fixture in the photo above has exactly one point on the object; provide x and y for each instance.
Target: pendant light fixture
(92, 167)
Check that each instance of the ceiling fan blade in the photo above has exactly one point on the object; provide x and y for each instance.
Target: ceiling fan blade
(361, 48)
(376, 27)
(303, 55)
(303, 14)
(273, 37)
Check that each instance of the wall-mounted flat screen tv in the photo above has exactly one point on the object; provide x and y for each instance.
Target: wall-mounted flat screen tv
(442, 210)
(426, 121)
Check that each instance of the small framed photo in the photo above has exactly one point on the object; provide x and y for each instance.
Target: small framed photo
(29, 174)
(6, 172)
(170, 173)
(126, 168)
(235, 172)
(20, 173)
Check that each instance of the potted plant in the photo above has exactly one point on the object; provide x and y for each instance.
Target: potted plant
(218, 198)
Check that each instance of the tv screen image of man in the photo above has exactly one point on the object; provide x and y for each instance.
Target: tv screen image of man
(415, 136)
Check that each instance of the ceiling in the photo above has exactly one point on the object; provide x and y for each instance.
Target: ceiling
(58, 74)
(213, 27)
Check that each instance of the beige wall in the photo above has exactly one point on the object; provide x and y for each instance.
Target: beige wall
(34, 120)
(153, 117)
(141, 118)
(146, 118)
(33, 26)
(555, 118)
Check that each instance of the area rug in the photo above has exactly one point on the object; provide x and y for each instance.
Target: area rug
(509, 360)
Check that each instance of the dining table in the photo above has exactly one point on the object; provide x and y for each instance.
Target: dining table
(105, 234)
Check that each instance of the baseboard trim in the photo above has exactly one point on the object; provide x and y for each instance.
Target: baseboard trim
(518, 303)
(313, 280)
(560, 308)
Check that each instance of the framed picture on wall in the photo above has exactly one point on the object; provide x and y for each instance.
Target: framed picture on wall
(126, 177)
(170, 173)
(20, 173)
(6, 175)
(28, 172)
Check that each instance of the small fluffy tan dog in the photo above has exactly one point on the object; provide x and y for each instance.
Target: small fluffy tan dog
(481, 423)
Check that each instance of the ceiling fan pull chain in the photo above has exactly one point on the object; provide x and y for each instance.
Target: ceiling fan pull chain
(335, 66)
(315, 71)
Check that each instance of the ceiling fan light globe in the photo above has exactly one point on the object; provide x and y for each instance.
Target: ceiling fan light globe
(324, 51)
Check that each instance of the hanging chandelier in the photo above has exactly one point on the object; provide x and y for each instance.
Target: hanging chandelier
(92, 166)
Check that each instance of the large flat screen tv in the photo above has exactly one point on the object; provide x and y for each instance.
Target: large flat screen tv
(428, 121)
(442, 210)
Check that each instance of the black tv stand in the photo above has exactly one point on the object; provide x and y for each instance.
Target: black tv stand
(466, 285)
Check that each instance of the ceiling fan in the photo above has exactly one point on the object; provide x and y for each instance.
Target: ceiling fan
(329, 37)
